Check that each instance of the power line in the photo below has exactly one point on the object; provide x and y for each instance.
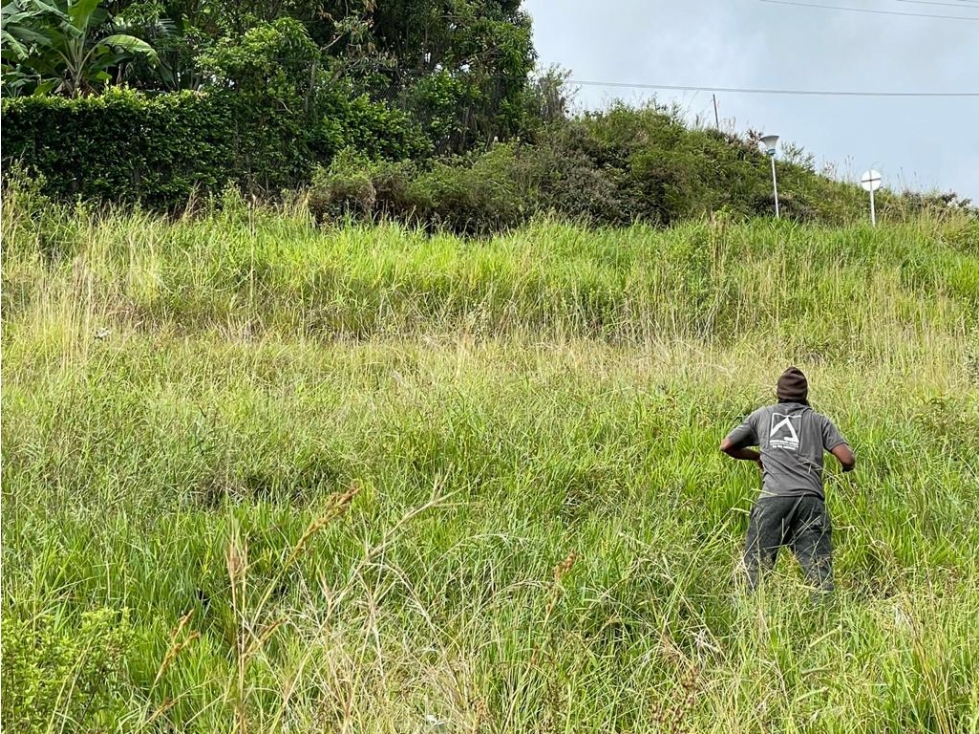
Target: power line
(745, 90)
(869, 10)
(947, 5)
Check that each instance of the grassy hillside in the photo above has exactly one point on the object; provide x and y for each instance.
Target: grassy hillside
(259, 476)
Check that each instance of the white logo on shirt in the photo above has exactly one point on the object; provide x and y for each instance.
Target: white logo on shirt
(782, 439)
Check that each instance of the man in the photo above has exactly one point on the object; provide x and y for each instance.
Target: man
(791, 509)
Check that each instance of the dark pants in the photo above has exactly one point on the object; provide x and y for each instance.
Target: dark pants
(801, 523)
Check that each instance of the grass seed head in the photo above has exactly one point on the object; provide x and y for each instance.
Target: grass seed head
(564, 567)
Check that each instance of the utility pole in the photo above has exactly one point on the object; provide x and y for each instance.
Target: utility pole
(717, 120)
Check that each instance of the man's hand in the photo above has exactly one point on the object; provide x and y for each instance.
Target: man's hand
(845, 457)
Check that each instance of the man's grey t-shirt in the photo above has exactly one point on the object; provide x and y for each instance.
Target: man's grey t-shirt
(792, 438)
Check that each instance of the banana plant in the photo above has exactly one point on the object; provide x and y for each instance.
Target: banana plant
(17, 21)
(61, 46)
(20, 41)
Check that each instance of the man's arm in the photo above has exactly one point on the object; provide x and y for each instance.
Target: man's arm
(834, 442)
(729, 448)
(845, 456)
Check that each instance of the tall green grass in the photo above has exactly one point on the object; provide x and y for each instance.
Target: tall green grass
(263, 477)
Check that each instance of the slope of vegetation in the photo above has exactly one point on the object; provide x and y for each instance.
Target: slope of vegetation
(262, 476)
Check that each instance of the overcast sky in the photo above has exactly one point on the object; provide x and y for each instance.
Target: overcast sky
(921, 143)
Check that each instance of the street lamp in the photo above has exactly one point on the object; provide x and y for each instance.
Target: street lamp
(769, 142)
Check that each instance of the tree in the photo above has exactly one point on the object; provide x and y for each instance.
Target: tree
(63, 47)
(459, 67)
(462, 66)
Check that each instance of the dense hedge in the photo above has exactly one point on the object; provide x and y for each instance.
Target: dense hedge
(125, 146)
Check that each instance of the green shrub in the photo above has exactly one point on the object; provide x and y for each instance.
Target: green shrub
(610, 168)
(476, 194)
(61, 678)
(343, 189)
(125, 147)
(567, 179)
(912, 205)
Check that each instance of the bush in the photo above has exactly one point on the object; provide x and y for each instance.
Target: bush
(611, 168)
(123, 146)
(126, 147)
(568, 180)
(948, 205)
(474, 195)
(344, 189)
(52, 674)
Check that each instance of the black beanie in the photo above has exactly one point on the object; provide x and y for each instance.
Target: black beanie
(792, 386)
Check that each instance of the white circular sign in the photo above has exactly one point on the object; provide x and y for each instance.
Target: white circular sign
(870, 180)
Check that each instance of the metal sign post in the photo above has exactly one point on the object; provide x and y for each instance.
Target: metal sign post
(769, 142)
(870, 181)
